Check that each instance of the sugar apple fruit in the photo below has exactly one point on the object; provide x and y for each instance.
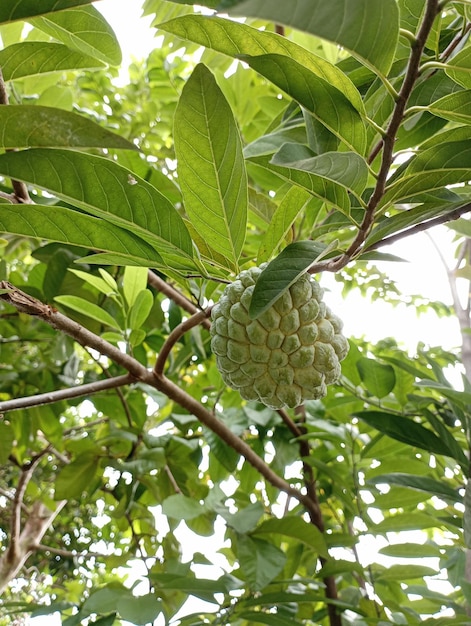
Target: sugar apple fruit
(288, 354)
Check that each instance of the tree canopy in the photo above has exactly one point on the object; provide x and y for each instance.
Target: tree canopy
(135, 483)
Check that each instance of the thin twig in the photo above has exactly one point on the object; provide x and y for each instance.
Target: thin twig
(67, 554)
(173, 294)
(174, 336)
(66, 394)
(15, 523)
(419, 228)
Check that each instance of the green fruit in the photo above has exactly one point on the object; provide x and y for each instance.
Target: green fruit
(288, 354)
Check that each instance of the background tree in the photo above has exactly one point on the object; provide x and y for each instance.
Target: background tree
(309, 138)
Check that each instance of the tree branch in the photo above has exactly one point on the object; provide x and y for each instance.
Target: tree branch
(419, 228)
(175, 295)
(27, 304)
(174, 336)
(65, 394)
(388, 141)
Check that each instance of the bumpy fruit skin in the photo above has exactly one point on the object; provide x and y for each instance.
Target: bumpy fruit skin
(287, 355)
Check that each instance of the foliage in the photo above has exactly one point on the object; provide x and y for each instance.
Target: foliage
(310, 135)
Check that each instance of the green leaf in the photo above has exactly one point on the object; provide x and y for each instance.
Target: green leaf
(461, 226)
(292, 204)
(431, 208)
(141, 610)
(244, 520)
(12, 10)
(30, 58)
(321, 188)
(271, 619)
(7, 437)
(458, 67)
(101, 284)
(367, 28)
(461, 397)
(295, 527)
(420, 483)
(407, 521)
(455, 107)
(105, 599)
(405, 430)
(83, 29)
(260, 561)
(326, 103)
(201, 588)
(67, 226)
(75, 478)
(89, 309)
(181, 507)
(236, 39)
(348, 169)
(141, 309)
(282, 272)
(105, 189)
(405, 572)
(27, 125)
(378, 378)
(134, 281)
(211, 168)
(411, 550)
(444, 164)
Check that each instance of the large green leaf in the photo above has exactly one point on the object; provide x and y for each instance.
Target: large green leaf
(405, 430)
(455, 107)
(211, 168)
(140, 610)
(459, 67)
(75, 478)
(332, 193)
(26, 125)
(282, 272)
(70, 227)
(347, 169)
(325, 101)
(260, 561)
(83, 29)
(11, 10)
(295, 527)
(181, 507)
(236, 39)
(378, 378)
(420, 483)
(107, 190)
(444, 164)
(367, 28)
(40, 57)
